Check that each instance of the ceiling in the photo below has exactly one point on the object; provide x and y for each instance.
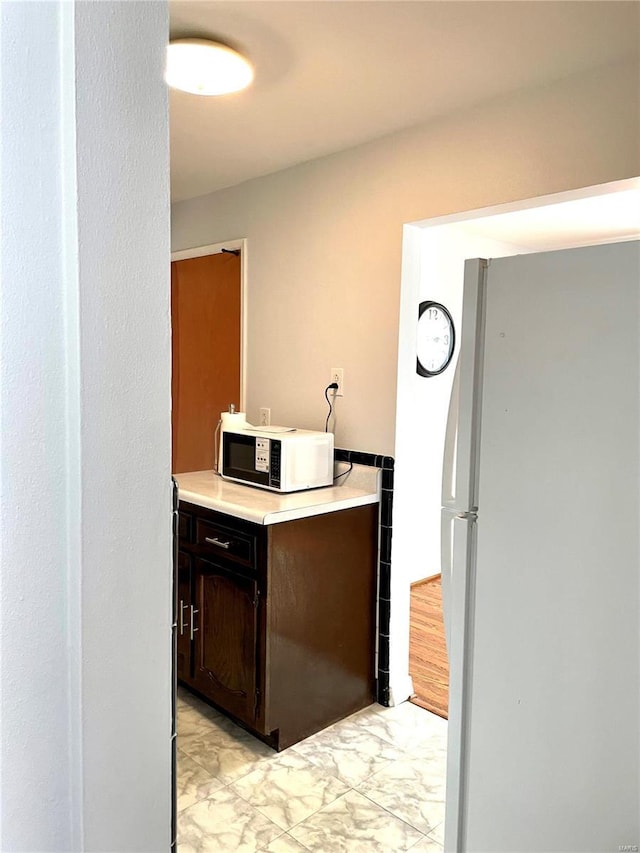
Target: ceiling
(331, 74)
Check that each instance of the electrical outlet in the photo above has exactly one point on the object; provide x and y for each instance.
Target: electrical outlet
(265, 417)
(337, 375)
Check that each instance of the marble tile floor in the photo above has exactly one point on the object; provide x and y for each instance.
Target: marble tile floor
(373, 783)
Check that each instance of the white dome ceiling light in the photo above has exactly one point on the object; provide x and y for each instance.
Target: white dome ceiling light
(205, 67)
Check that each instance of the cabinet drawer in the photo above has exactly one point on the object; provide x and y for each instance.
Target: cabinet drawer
(184, 526)
(220, 542)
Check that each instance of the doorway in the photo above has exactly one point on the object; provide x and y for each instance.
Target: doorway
(434, 254)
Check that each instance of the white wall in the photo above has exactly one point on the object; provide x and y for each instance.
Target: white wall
(86, 529)
(423, 403)
(124, 310)
(432, 268)
(324, 238)
(40, 779)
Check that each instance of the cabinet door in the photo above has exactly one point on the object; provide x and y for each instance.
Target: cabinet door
(226, 638)
(183, 612)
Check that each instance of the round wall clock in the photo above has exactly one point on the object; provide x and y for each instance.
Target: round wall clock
(436, 338)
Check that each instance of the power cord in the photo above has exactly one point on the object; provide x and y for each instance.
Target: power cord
(334, 386)
(344, 473)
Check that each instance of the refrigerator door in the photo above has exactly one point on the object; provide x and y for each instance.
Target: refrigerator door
(551, 716)
(460, 465)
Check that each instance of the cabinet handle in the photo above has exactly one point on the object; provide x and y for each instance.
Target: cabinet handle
(193, 628)
(183, 607)
(218, 542)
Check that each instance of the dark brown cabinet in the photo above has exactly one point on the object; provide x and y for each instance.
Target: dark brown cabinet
(226, 646)
(279, 620)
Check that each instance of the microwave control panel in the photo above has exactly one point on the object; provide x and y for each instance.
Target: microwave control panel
(267, 459)
(262, 454)
(274, 474)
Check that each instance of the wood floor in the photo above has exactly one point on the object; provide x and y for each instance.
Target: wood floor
(428, 663)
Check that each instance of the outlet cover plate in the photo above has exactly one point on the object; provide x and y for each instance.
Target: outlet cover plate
(337, 375)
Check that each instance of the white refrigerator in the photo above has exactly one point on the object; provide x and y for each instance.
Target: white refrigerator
(540, 521)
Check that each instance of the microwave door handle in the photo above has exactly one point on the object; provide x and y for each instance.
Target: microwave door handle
(217, 439)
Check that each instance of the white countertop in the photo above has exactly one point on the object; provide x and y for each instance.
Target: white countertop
(359, 487)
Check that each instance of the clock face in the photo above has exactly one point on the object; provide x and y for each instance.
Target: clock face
(436, 338)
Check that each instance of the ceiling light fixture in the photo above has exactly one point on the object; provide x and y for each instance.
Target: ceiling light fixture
(205, 67)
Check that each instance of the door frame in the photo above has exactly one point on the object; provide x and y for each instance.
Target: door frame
(216, 249)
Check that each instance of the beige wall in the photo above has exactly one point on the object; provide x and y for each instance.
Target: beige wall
(324, 238)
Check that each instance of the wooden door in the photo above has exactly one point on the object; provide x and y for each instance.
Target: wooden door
(226, 641)
(205, 321)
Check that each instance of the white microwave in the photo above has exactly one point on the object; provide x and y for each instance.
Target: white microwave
(277, 458)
